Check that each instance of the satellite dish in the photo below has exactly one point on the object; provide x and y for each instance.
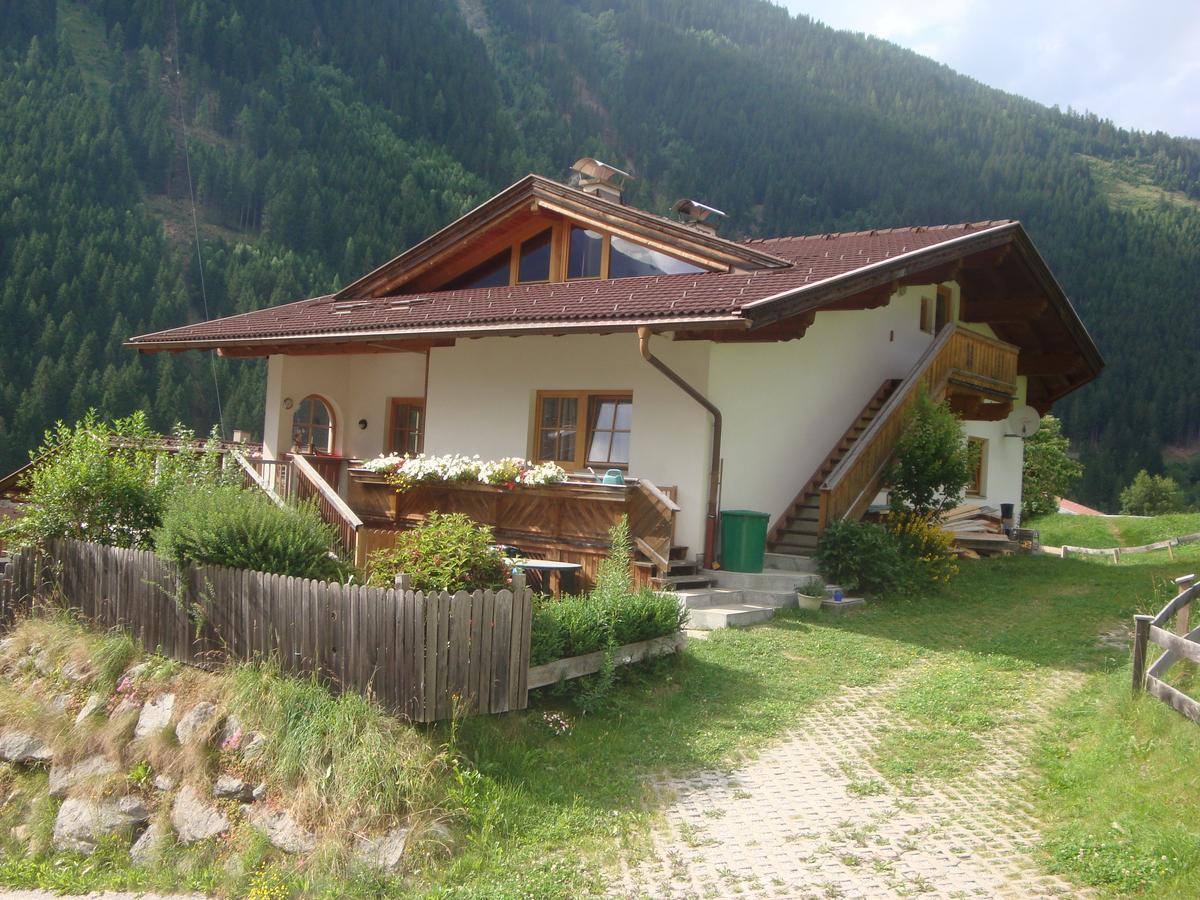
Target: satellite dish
(1022, 422)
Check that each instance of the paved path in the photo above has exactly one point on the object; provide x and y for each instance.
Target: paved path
(794, 822)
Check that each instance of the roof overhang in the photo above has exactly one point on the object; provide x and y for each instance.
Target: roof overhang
(945, 262)
(420, 339)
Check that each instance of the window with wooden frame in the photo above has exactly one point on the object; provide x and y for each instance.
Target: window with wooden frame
(313, 426)
(406, 426)
(977, 449)
(577, 429)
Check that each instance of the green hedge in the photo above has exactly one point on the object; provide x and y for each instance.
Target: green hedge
(573, 626)
(230, 526)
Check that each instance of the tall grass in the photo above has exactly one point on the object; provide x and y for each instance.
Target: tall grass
(339, 759)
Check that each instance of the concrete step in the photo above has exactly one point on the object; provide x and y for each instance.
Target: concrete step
(698, 598)
(674, 582)
(786, 562)
(780, 581)
(736, 614)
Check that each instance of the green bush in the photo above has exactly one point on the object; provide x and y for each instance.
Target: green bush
(449, 552)
(1151, 495)
(862, 556)
(1049, 471)
(226, 525)
(908, 553)
(611, 615)
(573, 626)
(109, 483)
(933, 463)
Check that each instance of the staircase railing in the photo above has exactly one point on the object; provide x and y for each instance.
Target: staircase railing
(333, 508)
(967, 358)
(652, 521)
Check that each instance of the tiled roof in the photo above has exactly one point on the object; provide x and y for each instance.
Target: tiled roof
(649, 299)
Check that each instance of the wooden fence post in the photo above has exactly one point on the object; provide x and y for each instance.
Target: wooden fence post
(1184, 614)
(1141, 636)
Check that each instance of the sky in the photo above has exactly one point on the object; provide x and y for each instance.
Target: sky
(1136, 63)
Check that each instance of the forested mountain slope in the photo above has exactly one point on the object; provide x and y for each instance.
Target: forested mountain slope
(324, 137)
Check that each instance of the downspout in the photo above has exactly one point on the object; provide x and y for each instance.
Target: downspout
(714, 467)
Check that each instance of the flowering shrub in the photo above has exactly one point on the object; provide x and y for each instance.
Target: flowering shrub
(449, 552)
(926, 545)
(404, 472)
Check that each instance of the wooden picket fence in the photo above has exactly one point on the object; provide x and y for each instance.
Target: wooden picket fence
(423, 656)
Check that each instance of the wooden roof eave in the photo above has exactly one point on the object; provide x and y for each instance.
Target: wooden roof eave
(560, 198)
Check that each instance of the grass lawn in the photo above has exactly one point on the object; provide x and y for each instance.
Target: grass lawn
(550, 810)
(1113, 531)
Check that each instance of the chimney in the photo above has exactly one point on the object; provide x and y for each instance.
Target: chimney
(695, 214)
(598, 179)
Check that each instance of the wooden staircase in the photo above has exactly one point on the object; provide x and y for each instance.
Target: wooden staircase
(681, 573)
(797, 530)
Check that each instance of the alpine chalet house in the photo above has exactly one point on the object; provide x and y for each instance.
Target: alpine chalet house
(555, 323)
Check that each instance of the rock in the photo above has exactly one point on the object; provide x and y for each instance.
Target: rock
(230, 787)
(25, 748)
(127, 704)
(164, 783)
(280, 828)
(384, 852)
(195, 820)
(7, 644)
(136, 672)
(61, 702)
(63, 777)
(74, 671)
(260, 791)
(195, 722)
(253, 745)
(231, 734)
(145, 848)
(155, 716)
(21, 834)
(43, 663)
(91, 706)
(82, 822)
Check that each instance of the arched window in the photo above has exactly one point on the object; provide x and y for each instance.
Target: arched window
(312, 426)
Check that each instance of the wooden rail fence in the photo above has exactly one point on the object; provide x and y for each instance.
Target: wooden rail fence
(423, 656)
(1183, 644)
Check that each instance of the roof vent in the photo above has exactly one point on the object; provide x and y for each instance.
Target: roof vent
(598, 179)
(695, 214)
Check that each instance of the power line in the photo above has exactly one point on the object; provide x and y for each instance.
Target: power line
(187, 161)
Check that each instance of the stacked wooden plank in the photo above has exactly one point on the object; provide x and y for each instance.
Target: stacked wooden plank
(978, 530)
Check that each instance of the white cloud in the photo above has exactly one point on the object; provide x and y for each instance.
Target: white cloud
(1134, 63)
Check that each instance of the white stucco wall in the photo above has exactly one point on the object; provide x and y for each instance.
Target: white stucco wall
(357, 386)
(482, 392)
(786, 404)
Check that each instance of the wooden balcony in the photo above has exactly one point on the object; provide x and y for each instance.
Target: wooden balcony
(567, 522)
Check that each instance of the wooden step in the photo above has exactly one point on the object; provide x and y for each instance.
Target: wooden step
(800, 526)
(678, 551)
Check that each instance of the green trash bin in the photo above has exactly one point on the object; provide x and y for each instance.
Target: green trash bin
(743, 539)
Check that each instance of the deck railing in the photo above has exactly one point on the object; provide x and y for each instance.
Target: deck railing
(1183, 644)
(309, 484)
(956, 356)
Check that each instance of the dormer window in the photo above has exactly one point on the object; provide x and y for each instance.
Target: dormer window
(493, 272)
(534, 261)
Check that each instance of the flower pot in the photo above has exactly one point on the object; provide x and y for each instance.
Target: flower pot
(804, 601)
